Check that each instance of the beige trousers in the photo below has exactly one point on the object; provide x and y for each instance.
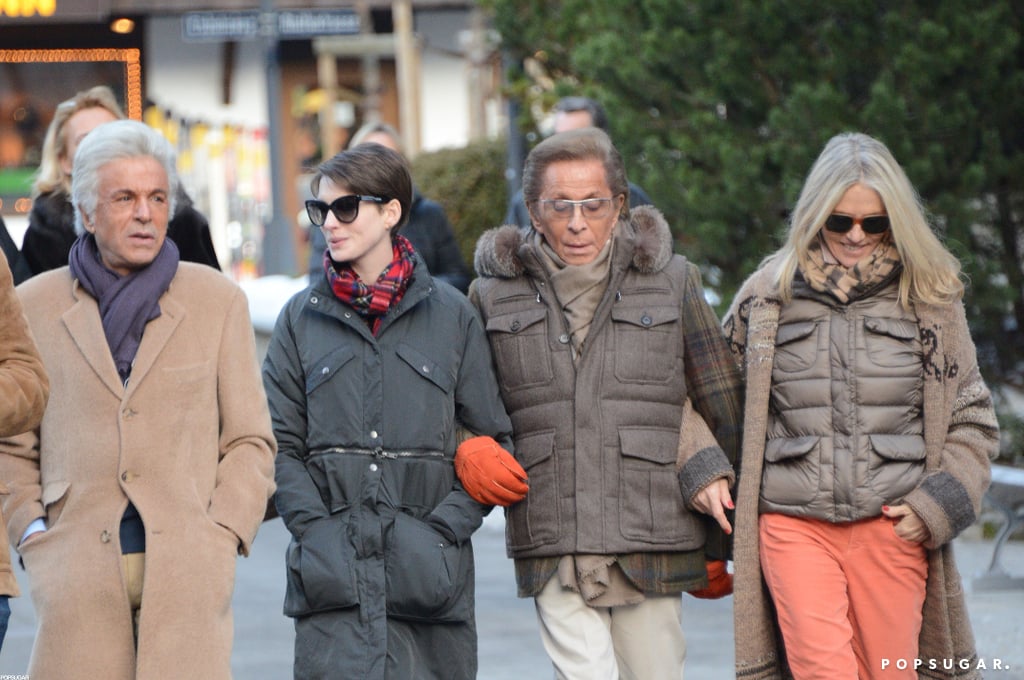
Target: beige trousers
(134, 570)
(633, 642)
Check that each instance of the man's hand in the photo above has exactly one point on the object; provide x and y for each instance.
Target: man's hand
(713, 499)
(489, 473)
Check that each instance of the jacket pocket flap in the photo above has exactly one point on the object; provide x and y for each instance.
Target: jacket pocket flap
(791, 332)
(785, 448)
(901, 329)
(53, 492)
(426, 367)
(327, 366)
(645, 317)
(535, 448)
(516, 321)
(650, 444)
(898, 446)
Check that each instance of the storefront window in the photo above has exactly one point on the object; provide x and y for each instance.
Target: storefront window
(32, 84)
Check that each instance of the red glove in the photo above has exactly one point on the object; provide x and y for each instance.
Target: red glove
(719, 582)
(489, 473)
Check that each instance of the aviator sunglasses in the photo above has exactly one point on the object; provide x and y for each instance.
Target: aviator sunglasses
(840, 224)
(345, 209)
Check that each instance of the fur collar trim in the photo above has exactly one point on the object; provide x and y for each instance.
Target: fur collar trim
(497, 250)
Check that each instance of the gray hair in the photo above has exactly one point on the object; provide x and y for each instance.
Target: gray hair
(373, 128)
(111, 142)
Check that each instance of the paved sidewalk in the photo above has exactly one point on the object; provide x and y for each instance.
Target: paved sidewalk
(510, 648)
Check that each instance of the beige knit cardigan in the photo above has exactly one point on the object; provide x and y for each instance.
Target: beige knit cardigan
(961, 436)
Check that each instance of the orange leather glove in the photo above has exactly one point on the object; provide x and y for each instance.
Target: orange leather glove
(489, 473)
(719, 582)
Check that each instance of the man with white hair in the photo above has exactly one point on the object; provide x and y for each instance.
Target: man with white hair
(151, 469)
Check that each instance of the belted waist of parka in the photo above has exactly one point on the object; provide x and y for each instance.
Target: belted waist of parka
(379, 452)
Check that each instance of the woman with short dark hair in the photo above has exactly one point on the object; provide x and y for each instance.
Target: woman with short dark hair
(367, 372)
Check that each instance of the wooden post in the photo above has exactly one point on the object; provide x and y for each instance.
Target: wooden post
(370, 105)
(408, 71)
(476, 56)
(327, 75)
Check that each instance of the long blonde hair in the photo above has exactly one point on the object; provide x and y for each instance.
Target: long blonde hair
(931, 274)
(55, 146)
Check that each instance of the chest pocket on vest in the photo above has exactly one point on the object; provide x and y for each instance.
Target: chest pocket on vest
(892, 343)
(646, 343)
(796, 346)
(519, 343)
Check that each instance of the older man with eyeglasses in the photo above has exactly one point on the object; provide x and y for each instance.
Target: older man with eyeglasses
(625, 405)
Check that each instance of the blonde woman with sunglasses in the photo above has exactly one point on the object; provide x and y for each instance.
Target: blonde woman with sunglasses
(867, 436)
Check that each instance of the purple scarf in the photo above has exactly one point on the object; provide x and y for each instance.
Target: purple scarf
(127, 303)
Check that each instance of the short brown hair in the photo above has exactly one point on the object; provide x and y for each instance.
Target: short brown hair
(370, 170)
(575, 145)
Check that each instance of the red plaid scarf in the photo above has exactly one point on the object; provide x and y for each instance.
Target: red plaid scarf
(373, 301)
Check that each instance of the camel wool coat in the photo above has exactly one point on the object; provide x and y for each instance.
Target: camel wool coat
(187, 439)
(23, 391)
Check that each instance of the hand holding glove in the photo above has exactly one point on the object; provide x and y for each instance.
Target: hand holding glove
(489, 473)
(719, 582)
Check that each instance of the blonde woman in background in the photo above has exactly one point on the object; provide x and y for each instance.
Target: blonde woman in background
(51, 223)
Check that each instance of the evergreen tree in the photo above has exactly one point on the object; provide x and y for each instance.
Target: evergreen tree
(720, 108)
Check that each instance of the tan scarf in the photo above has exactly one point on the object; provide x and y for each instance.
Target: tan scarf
(823, 272)
(598, 579)
(578, 288)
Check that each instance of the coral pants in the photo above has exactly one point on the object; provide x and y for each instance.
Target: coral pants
(848, 596)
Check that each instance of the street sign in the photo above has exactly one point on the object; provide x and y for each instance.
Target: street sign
(217, 26)
(252, 24)
(306, 23)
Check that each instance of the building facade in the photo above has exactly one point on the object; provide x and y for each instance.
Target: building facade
(253, 94)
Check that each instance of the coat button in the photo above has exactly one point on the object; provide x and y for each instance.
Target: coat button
(105, 536)
(373, 434)
(373, 467)
(314, 299)
(646, 320)
(128, 476)
(325, 370)
(563, 338)
(426, 369)
(515, 325)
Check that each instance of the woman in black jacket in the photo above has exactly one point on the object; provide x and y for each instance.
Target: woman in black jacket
(367, 373)
(51, 223)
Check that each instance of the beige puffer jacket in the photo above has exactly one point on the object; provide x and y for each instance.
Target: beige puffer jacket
(845, 432)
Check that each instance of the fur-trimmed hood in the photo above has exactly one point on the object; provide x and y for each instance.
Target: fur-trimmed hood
(646, 232)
